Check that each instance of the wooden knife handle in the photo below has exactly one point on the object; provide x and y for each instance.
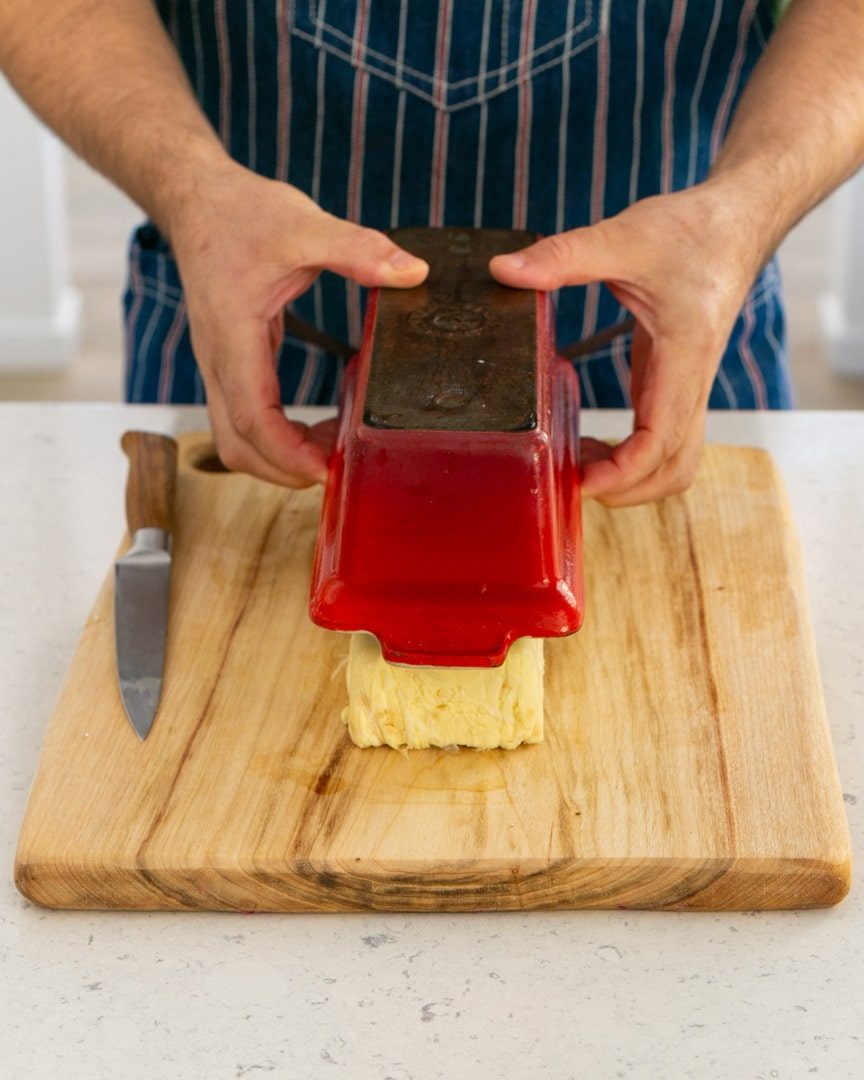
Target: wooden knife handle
(151, 481)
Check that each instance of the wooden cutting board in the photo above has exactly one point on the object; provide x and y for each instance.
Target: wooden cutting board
(687, 760)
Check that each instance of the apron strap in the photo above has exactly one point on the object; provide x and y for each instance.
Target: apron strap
(598, 340)
(306, 331)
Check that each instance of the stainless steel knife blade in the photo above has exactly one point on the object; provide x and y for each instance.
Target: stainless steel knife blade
(142, 580)
(143, 576)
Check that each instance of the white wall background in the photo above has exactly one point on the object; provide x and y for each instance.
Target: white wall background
(842, 306)
(39, 310)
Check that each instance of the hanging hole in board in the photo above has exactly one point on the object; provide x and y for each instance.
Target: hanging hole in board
(207, 460)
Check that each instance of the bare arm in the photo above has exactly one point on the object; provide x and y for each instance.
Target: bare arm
(798, 131)
(683, 263)
(105, 76)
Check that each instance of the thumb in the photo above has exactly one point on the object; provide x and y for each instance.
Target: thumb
(577, 257)
(368, 257)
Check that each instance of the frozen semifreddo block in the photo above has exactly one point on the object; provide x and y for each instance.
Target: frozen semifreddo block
(416, 707)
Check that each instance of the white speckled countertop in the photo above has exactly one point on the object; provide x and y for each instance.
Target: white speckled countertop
(563, 995)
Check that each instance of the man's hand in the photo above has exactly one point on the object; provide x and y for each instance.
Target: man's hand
(246, 246)
(682, 264)
(106, 77)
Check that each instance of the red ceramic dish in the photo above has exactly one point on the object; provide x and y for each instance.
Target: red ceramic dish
(448, 545)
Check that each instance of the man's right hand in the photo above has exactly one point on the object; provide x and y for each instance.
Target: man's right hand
(246, 246)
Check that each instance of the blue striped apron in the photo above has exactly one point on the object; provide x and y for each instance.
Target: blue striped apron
(537, 114)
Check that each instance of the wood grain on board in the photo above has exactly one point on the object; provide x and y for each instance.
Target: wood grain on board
(687, 761)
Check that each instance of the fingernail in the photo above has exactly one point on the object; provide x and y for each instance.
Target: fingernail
(514, 262)
(403, 260)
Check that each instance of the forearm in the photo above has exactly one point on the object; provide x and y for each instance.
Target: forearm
(798, 131)
(105, 76)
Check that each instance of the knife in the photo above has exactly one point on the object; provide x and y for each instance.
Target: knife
(143, 575)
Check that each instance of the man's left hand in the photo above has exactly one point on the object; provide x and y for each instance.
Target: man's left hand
(682, 264)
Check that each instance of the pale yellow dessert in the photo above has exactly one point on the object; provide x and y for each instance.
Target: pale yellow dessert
(417, 707)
